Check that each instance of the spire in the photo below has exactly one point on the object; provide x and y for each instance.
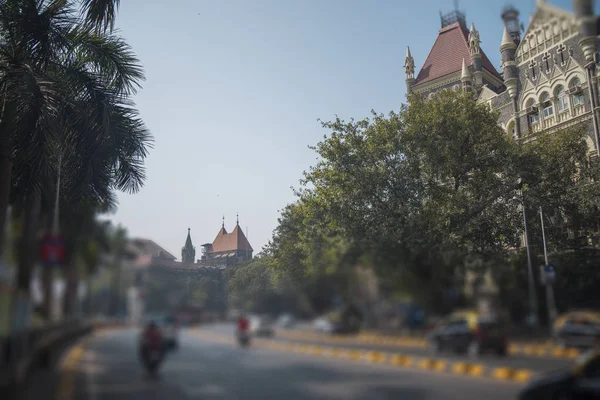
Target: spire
(223, 225)
(465, 75)
(188, 252)
(237, 218)
(507, 41)
(474, 41)
(409, 65)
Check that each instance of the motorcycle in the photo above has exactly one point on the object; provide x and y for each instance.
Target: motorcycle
(243, 338)
(152, 356)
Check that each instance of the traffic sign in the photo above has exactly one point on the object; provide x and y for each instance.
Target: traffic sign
(53, 249)
(548, 274)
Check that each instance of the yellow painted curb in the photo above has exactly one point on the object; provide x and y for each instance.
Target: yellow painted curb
(395, 359)
(476, 370)
(66, 381)
(503, 374)
(460, 368)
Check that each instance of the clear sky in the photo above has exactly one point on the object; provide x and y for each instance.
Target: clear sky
(234, 89)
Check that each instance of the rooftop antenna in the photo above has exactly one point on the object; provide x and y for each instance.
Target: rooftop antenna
(223, 225)
(237, 216)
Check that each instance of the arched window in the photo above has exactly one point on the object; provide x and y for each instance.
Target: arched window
(575, 89)
(547, 107)
(562, 100)
(533, 113)
(511, 131)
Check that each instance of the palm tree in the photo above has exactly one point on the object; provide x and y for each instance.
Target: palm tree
(48, 54)
(65, 85)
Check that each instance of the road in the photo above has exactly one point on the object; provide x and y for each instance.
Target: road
(537, 364)
(204, 369)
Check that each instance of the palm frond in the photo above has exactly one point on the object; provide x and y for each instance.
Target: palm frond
(111, 57)
(100, 14)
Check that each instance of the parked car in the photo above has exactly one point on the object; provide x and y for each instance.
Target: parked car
(470, 332)
(286, 321)
(323, 325)
(579, 329)
(261, 326)
(582, 381)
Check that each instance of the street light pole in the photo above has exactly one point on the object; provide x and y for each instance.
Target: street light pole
(533, 307)
(549, 289)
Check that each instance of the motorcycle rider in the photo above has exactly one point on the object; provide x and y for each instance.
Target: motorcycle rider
(151, 339)
(243, 327)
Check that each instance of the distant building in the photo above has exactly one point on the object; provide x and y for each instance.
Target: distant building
(228, 248)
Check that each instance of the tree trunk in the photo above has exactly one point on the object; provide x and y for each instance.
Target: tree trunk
(72, 281)
(5, 184)
(115, 290)
(28, 250)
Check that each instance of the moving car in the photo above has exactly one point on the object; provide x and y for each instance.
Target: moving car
(261, 326)
(582, 381)
(579, 329)
(470, 332)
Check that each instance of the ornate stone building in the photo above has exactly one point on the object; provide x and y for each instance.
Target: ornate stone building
(545, 82)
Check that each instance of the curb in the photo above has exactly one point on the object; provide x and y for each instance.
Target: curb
(386, 358)
(532, 350)
(68, 368)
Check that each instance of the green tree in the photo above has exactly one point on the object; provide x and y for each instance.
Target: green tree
(421, 189)
(66, 84)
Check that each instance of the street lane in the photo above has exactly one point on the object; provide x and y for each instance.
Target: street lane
(536, 364)
(206, 370)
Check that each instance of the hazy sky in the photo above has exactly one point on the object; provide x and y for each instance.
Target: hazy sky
(234, 90)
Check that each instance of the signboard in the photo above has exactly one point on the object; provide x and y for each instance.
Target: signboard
(548, 274)
(53, 250)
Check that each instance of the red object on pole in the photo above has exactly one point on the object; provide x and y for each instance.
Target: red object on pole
(53, 249)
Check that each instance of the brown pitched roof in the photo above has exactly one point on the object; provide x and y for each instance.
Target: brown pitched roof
(148, 247)
(447, 53)
(235, 240)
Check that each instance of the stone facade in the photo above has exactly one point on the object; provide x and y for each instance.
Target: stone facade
(545, 82)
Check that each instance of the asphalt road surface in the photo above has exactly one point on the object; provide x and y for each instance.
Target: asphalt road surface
(201, 369)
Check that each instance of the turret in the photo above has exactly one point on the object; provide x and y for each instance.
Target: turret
(510, 16)
(465, 77)
(409, 69)
(475, 51)
(511, 75)
(588, 31)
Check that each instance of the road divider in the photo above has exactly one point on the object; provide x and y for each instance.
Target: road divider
(526, 349)
(370, 356)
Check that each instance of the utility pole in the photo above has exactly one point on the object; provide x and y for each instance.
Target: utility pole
(533, 307)
(549, 289)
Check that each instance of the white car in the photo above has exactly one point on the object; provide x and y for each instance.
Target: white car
(286, 321)
(323, 325)
(261, 326)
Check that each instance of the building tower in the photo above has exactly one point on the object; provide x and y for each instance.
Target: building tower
(588, 32)
(188, 252)
(475, 51)
(510, 16)
(465, 77)
(409, 69)
(508, 48)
